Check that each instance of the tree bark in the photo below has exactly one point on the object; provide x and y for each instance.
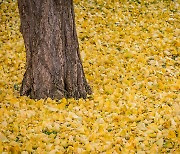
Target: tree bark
(54, 67)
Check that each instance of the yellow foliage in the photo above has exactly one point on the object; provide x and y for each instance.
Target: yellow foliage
(130, 53)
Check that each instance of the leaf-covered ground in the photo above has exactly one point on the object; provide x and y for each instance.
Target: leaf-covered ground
(130, 53)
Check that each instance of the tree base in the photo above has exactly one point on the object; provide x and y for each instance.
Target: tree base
(54, 67)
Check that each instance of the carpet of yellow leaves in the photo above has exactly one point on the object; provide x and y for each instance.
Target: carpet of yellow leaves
(130, 53)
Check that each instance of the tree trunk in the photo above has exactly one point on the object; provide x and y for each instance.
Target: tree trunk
(54, 67)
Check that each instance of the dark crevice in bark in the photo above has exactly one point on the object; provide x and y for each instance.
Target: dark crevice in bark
(54, 67)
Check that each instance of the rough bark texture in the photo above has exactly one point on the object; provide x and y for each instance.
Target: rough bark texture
(54, 67)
